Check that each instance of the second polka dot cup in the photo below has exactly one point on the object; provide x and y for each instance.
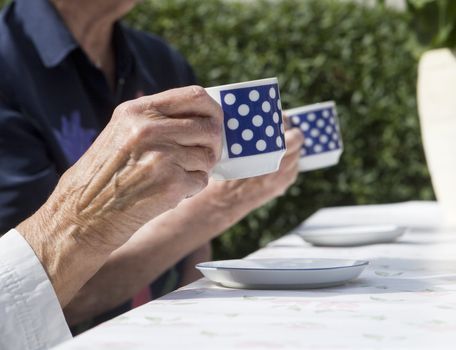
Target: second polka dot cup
(322, 139)
(253, 130)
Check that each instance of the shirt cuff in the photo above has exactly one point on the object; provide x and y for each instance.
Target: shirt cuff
(30, 313)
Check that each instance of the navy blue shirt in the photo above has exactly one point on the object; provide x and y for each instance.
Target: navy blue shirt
(54, 101)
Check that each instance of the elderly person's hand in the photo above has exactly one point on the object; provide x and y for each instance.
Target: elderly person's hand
(256, 191)
(156, 151)
(173, 235)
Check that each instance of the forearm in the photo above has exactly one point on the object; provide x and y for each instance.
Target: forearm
(59, 245)
(188, 273)
(143, 163)
(156, 247)
(168, 238)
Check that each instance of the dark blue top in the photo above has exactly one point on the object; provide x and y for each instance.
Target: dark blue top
(54, 101)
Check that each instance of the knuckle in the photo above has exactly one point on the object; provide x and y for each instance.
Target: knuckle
(294, 135)
(191, 125)
(125, 109)
(120, 109)
(151, 103)
(197, 91)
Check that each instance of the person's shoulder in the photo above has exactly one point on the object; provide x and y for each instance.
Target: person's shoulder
(8, 44)
(156, 53)
(149, 44)
(6, 14)
(7, 48)
(147, 41)
(6, 24)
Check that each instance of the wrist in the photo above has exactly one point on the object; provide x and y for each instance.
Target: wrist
(227, 202)
(62, 248)
(239, 195)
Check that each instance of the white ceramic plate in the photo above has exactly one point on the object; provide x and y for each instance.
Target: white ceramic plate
(282, 273)
(351, 235)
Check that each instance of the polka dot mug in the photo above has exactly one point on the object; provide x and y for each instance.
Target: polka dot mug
(253, 130)
(322, 139)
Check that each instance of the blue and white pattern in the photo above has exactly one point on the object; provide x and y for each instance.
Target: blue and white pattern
(320, 129)
(253, 120)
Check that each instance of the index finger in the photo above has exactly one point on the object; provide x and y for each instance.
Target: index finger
(186, 101)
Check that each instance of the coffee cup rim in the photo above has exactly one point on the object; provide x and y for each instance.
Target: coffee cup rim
(311, 107)
(244, 84)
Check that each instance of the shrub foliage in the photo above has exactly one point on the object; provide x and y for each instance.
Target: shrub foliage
(364, 58)
(361, 57)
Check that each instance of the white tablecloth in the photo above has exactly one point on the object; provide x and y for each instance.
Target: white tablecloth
(406, 298)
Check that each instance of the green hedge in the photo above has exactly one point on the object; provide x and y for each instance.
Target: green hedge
(364, 58)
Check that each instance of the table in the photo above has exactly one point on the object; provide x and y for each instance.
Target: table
(405, 299)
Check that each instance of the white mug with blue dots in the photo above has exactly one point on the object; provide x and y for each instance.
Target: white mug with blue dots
(253, 129)
(322, 138)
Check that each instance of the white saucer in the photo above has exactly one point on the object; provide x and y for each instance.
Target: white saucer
(282, 273)
(351, 235)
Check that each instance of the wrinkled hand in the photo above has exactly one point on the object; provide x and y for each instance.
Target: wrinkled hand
(156, 151)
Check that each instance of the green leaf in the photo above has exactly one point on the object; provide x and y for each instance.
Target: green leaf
(364, 58)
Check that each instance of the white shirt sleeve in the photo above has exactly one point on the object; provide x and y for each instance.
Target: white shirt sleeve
(30, 314)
